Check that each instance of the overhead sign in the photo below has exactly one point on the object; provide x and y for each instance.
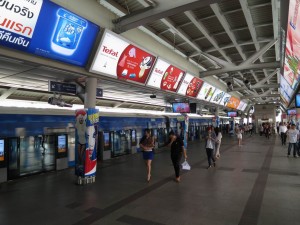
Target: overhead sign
(240, 106)
(190, 86)
(217, 96)
(46, 29)
(117, 57)
(206, 92)
(165, 76)
(233, 102)
(244, 107)
(60, 87)
(99, 92)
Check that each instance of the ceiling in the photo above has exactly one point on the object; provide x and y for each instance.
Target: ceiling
(232, 40)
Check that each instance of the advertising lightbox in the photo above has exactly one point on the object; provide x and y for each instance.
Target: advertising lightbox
(292, 53)
(206, 92)
(165, 76)
(118, 58)
(244, 107)
(217, 96)
(240, 106)
(233, 103)
(61, 143)
(190, 86)
(225, 99)
(2, 150)
(43, 28)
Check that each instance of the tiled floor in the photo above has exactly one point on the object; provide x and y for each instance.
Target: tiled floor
(252, 184)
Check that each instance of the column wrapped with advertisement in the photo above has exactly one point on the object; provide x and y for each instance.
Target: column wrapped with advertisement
(186, 131)
(86, 124)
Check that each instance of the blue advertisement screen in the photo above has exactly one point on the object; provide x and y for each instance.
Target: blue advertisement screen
(43, 28)
(62, 143)
(297, 101)
(1, 150)
(181, 107)
(232, 114)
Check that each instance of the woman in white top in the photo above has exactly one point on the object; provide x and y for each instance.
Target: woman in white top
(239, 134)
(218, 142)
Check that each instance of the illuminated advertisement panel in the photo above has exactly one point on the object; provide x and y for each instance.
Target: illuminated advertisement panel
(1, 150)
(62, 144)
(165, 76)
(46, 29)
(206, 92)
(240, 105)
(225, 99)
(292, 53)
(217, 96)
(244, 107)
(190, 86)
(117, 57)
(233, 102)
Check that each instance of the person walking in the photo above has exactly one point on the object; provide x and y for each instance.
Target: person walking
(218, 142)
(293, 137)
(282, 132)
(210, 147)
(147, 145)
(239, 134)
(177, 149)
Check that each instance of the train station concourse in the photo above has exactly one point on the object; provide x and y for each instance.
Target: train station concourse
(149, 112)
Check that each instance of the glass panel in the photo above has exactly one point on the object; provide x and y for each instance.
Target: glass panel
(120, 143)
(13, 154)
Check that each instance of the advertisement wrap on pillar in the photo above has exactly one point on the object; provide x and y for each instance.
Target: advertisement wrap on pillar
(43, 28)
(91, 147)
(165, 76)
(186, 130)
(80, 138)
(118, 58)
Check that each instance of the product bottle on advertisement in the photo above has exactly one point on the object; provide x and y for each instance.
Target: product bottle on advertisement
(165, 75)
(122, 62)
(208, 92)
(177, 82)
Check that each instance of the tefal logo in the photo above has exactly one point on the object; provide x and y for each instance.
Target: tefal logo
(158, 71)
(110, 51)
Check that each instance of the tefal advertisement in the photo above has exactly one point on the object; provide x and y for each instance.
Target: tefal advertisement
(43, 28)
(118, 58)
(217, 96)
(292, 53)
(206, 92)
(190, 86)
(165, 76)
(225, 99)
(233, 103)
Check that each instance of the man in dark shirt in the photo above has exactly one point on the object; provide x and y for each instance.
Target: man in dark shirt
(177, 148)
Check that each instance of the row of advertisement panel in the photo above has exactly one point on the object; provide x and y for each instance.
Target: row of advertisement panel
(120, 59)
(290, 75)
(43, 28)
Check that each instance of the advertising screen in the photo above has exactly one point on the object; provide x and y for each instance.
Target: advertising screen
(244, 107)
(165, 76)
(190, 86)
(181, 107)
(286, 91)
(217, 96)
(233, 102)
(225, 99)
(292, 112)
(232, 114)
(297, 100)
(106, 139)
(1, 150)
(206, 92)
(117, 57)
(292, 52)
(240, 106)
(61, 144)
(48, 30)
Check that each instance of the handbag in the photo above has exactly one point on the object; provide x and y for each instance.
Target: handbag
(185, 165)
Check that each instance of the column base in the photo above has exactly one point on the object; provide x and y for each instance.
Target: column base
(86, 180)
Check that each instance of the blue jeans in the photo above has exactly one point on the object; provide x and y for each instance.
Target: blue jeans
(295, 148)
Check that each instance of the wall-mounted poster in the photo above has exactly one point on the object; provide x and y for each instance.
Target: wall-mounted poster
(233, 102)
(165, 76)
(117, 57)
(217, 96)
(225, 99)
(43, 28)
(190, 86)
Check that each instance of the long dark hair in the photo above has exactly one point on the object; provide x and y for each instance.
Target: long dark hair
(217, 130)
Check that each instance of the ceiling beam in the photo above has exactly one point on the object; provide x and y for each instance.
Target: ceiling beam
(265, 79)
(129, 22)
(239, 68)
(7, 93)
(259, 96)
(257, 87)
